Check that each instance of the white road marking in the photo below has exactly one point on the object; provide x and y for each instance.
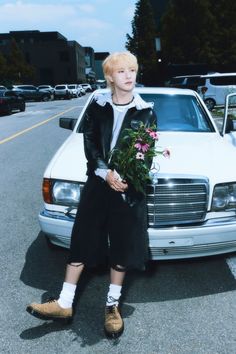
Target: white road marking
(34, 126)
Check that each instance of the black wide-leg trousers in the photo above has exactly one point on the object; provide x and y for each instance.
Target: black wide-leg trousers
(106, 227)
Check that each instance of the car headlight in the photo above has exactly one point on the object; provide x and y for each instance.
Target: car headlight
(61, 192)
(66, 193)
(224, 197)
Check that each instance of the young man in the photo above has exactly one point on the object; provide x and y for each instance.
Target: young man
(106, 225)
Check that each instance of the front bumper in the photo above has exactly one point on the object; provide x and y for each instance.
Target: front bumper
(216, 236)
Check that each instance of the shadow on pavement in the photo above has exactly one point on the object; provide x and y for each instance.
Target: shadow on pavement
(162, 281)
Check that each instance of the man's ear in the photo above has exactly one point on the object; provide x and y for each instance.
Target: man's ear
(110, 78)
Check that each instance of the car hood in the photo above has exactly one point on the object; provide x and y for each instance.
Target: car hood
(200, 154)
(191, 154)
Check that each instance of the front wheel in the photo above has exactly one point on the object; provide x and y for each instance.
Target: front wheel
(8, 110)
(210, 103)
(45, 98)
(22, 107)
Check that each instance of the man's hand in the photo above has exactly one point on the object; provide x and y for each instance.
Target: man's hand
(115, 182)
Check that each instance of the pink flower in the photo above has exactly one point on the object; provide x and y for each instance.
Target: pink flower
(140, 156)
(166, 153)
(138, 146)
(142, 147)
(145, 147)
(153, 135)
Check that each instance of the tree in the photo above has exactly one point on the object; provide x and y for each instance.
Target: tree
(188, 32)
(199, 31)
(18, 70)
(225, 12)
(142, 41)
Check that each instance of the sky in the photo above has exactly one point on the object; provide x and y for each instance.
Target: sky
(100, 24)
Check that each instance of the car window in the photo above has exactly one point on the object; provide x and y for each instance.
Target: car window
(10, 94)
(61, 87)
(176, 113)
(195, 80)
(179, 113)
(177, 80)
(223, 80)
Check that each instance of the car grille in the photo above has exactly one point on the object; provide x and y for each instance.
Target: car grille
(177, 201)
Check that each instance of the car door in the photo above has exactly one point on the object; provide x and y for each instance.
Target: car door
(10, 99)
(228, 129)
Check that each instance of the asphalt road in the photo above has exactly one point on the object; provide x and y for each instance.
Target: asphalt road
(180, 307)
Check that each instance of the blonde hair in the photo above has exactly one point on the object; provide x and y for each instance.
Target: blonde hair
(115, 60)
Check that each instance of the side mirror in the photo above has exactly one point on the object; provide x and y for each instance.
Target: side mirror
(67, 123)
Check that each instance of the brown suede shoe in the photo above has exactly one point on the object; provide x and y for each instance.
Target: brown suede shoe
(114, 324)
(50, 310)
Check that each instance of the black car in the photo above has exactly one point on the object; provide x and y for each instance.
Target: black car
(32, 93)
(10, 101)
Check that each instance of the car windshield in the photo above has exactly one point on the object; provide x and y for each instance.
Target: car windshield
(72, 86)
(176, 113)
(61, 87)
(179, 113)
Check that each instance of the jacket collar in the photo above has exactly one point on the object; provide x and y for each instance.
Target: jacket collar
(138, 102)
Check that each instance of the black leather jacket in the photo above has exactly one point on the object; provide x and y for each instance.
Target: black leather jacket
(97, 131)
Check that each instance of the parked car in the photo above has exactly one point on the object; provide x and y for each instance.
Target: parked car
(75, 90)
(87, 87)
(82, 90)
(48, 88)
(31, 93)
(186, 81)
(3, 88)
(215, 87)
(63, 91)
(191, 206)
(10, 101)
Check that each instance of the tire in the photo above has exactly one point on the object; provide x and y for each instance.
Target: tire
(210, 103)
(45, 98)
(8, 110)
(22, 107)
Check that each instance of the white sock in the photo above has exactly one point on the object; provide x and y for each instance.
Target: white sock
(67, 295)
(113, 295)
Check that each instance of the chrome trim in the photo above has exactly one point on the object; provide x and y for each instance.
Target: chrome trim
(177, 200)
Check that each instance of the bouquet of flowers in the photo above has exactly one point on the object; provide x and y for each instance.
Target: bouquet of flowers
(133, 158)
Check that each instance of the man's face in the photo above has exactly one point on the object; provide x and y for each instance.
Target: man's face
(124, 77)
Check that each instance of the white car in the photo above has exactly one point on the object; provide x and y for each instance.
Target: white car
(75, 90)
(82, 90)
(62, 91)
(192, 205)
(215, 87)
(87, 87)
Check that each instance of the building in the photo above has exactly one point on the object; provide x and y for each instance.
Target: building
(55, 59)
(90, 65)
(99, 58)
